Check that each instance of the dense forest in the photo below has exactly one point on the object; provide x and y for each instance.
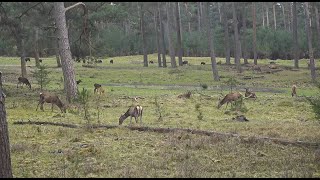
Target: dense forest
(130, 28)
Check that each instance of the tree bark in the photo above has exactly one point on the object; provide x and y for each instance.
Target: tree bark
(274, 16)
(210, 43)
(237, 41)
(64, 50)
(267, 13)
(163, 43)
(295, 36)
(5, 158)
(170, 37)
(144, 42)
(36, 47)
(199, 16)
(244, 44)
(56, 50)
(312, 63)
(219, 9)
(21, 49)
(157, 37)
(179, 33)
(284, 16)
(226, 33)
(254, 33)
(317, 23)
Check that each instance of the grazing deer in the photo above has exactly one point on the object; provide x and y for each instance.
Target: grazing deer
(23, 80)
(27, 59)
(186, 95)
(273, 66)
(203, 63)
(294, 90)
(133, 111)
(256, 68)
(96, 86)
(111, 61)
(249, 94)
(229, 98)
(185, 62)
(100, 90)
(50, 98)
(150, 62)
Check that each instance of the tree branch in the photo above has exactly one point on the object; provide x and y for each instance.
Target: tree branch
(79, 3)
(26, 11)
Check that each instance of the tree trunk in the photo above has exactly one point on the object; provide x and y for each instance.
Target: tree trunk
(21, 49)
(284, 16)
(36, 47)
(56, 50)
(267, 13)
(244, 42)
(295, 35)
(64, 49)
(236, 37)
(312, 63)
(254, 33)
(144, 42)
(274, 16)
(317, 23)
(5, 159)
(179, 34)
(157, 37)
(199, 16)
(210, 42)
(263, 19)
(163, 43)
(219, 9)
(226, 33)
(170, 36)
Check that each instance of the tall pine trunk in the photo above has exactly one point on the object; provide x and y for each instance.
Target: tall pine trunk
(226, 33)
(274, 16)
(254, 24)
(267, 13)
(295, 35)
(179, 33)
(144, 41)
(237, 41)
(308, 24)
(56, 51)
(157, 37)
(36, 47)
(317, 23)
(244, 42)
(64, 49)
(170, 34)
(5, 158)
(163, 43)
(210, 42)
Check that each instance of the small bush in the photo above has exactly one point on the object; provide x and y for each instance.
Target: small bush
(315, 103)
(204, 86)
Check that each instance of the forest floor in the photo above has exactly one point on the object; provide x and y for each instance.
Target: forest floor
(54, 151)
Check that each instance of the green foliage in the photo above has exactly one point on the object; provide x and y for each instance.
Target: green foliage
(232, 82)
(159, 109)
(315, 103)
(200, 114)
(42, 76)
(83, 99)
(239, 105)
(204, 86)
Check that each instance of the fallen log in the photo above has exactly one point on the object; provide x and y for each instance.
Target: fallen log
(192, 131)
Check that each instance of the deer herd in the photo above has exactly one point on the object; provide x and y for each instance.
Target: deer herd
(135, 110)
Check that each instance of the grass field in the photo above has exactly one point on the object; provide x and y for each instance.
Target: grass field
(50, 151)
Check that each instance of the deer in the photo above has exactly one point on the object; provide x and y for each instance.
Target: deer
(229, 98)
(96, 86)
(134, 111)
(256, 68)
(294, 90)
(111, 61)
(186, 95)
(53, 99)
(249, 94)
(203, 63)
(23, 80)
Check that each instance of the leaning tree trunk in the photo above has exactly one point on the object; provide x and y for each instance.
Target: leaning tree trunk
(5, 159)
(308, 24)
(179, 34)
(226, 33)
(157, 37)
(36, 47)
(64, 49)
(295, 36)
(210, 42)
(170, 36)
(144, 41)
(254, 33)
(163, 42)
(236, 37)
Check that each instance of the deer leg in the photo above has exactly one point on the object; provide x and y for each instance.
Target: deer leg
(41, 106)
(130, 120)
(38, 106)
(52, 107)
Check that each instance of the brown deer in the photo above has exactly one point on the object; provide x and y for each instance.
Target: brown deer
(249, 94)
(23, 80)
(229, 98)
(51, 98)
(96, 86)
(294, 90)
(186, 95)
(256, 68)
(133, 111)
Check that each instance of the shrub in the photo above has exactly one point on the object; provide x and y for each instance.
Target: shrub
(315, 103)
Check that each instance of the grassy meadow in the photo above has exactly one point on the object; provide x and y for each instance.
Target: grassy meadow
(51, 151)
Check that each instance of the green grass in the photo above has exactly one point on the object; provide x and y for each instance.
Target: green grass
(123, 153)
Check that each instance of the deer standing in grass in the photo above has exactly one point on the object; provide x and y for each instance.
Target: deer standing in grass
(229, 98)
(23, 80)
(133, 111)
(294, 90)
(51, 98)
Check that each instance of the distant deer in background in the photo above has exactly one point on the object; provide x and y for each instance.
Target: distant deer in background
(249, 94)
(23, 80)
(133, 111)
(96, 86)
(294, 90)
(229, 98)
